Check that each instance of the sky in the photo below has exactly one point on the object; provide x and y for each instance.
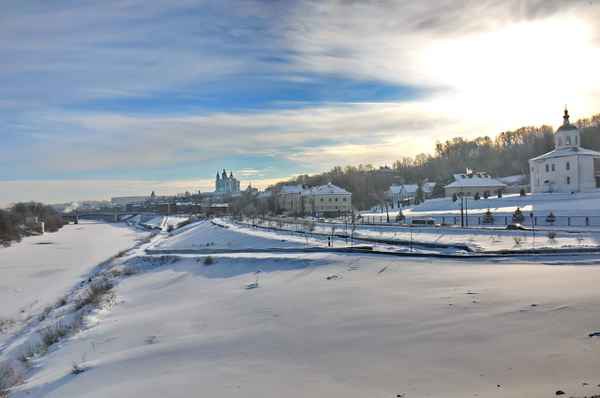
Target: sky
(112, 98)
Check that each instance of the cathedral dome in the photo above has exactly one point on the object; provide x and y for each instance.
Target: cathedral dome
(566, 126)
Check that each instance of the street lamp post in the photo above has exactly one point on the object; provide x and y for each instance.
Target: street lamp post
(532, 228)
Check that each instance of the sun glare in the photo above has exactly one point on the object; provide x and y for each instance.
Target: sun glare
(518, 74)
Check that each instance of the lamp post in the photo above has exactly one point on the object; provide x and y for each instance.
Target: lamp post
(532, 228)
(462, 220)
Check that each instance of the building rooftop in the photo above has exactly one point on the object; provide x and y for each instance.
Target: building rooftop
(328, 189)
(291, 189)
(567, 151)
(474, 180)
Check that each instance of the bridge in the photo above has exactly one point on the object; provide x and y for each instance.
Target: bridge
(106, 216)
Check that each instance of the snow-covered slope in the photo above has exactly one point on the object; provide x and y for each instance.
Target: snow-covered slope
(208, 235)
(580, 204)
(381, 328)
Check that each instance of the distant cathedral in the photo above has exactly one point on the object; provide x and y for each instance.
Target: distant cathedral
(227, 184)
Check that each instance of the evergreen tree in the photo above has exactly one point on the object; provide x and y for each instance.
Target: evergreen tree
(488, 217)
(419, 196)
(518, 216)
(551, 219)
(399, 216)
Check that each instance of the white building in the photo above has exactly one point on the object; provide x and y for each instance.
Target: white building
(569, 167)
(472, 183)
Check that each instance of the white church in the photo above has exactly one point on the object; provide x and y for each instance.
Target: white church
(569, 167)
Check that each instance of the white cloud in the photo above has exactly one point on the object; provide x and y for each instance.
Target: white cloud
(482, 67)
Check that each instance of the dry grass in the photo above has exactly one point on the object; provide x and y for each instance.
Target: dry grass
(61, 302)
(45, 314)
(6, 324)
(518, 240)
(9, 378)
(96, 292)
(53, 334)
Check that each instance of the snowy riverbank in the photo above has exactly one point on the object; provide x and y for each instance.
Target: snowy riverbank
(37, 271)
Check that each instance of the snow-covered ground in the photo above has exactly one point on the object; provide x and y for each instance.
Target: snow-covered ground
(578, 206)
(479, 239)
(163, 223)
(207, 235)
(331, 325)
(37, 271)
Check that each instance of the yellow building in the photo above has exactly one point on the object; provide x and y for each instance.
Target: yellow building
(327, 200)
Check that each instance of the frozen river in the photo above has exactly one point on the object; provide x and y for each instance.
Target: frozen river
(39, 270)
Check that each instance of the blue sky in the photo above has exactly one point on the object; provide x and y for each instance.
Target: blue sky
(123, 97)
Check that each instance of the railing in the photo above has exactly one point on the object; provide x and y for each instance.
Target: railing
(498, 220)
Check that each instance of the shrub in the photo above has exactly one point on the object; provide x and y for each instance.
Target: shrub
(8, 379)
(95, 293)
(399, 216)
(518, 216)
(61, 302)
(208, 260)
(488, 217)
(77, 369)
(477, 196)
(53, 334)
(486, 194)
(45, 313)
(129, 271)
(518, 240)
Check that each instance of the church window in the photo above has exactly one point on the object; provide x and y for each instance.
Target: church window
(568, 166)
(336, 199)
(547, 168)
(576, 141)
(568, 180)
(568, 140)
(553, 167)
(343, 199)
(559, 141)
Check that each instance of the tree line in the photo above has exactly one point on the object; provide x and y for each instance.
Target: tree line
(22, 219)
(506, 154)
